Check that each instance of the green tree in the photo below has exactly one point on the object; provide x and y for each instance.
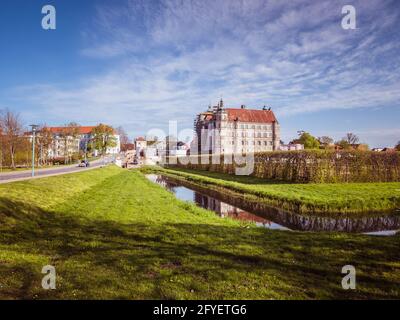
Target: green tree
(309, 141)
(103, 138)
(397, 146)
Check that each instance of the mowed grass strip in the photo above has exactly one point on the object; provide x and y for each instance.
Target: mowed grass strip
(306, 198)
(111, 234)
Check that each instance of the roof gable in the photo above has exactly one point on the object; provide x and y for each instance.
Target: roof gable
(81, 130)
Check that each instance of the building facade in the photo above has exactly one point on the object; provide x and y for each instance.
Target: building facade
(222, 130)
(291, 147)
(64, 144)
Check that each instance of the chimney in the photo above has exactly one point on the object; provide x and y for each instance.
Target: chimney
(242, 106)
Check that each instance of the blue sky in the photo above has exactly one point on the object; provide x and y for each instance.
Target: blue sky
(141, 63)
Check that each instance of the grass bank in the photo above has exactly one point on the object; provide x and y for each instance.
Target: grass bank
(303, 198)
(112, 234)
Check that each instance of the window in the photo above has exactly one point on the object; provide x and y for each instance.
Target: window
(259, 143)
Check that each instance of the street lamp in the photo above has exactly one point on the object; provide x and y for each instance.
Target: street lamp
(34, 128)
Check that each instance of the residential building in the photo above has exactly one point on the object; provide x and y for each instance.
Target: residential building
(291, 146)
(74, 143)
(140, 146)
(235, 130)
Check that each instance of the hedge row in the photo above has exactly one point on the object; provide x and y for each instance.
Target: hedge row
(320, 166)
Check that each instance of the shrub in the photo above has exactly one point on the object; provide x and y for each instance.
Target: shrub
(311, 166)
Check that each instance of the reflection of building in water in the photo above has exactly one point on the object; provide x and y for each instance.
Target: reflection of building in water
(226, 210)
(170, 186)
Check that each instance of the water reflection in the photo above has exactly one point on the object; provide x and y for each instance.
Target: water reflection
(236, 207)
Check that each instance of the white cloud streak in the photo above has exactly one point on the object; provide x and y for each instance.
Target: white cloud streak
(174, 57)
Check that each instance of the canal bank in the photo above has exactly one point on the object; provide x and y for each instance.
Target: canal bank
(237, 206)
(327, 199)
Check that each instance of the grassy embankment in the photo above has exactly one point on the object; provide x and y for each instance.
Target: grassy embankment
(110, 233)
(306, 198)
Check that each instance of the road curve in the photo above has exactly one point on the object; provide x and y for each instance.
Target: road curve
(40, 173)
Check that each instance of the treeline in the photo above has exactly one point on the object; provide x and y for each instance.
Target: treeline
(319, 166)
(16, 142)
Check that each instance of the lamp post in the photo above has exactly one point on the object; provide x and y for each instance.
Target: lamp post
(34, 127)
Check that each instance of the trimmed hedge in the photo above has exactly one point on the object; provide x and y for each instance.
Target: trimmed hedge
(318, 166)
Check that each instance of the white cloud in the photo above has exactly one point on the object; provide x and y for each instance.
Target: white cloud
(174, 57)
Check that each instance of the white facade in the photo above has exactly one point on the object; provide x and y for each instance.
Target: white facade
(292, 146)
(62, 146)
(221, 130)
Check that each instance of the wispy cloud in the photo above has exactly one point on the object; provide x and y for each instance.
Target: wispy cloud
(173, 57)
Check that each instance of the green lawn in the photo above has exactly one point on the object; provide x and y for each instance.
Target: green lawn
(307, 198)
(112, 234)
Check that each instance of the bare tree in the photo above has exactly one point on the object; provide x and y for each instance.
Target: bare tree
(69, 134)
(325, 140)
(351, 138)
(397, 146)
(12, 129)
(2, 143)
(45, 141)
(123, 138)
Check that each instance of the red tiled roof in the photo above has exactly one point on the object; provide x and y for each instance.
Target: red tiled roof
(248, 115)
(140, 139)
(82, 130)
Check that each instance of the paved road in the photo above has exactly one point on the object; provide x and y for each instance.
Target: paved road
(24, 175)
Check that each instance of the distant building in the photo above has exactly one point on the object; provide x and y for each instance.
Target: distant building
(229, 130)
(389, 150)
(291, 146)
(140, 146)
(63, 145)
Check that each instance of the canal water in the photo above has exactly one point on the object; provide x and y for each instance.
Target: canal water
(225, 205)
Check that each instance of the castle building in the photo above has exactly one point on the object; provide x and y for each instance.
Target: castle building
(222, 130)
